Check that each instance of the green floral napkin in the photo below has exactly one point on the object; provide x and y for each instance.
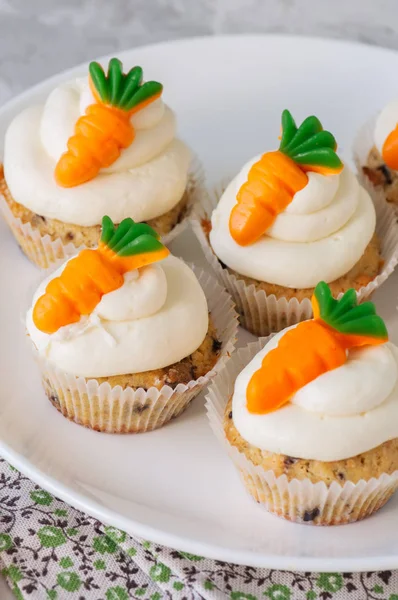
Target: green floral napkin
(48, 550)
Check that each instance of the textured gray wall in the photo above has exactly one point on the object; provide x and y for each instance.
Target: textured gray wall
(40, 37)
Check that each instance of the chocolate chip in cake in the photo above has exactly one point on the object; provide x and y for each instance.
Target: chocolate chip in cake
(54, 398)
(230, 414)
(70, 236)
(341, 476)
(224, 266)
(375, 176)
(37, 220)
(311, 515)
(290, 460)
(216, 346)
(180, 217)
(386, 173)
(138, 410)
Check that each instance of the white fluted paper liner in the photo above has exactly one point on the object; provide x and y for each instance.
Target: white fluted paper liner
(363, 144)
(44, 251)
(299, 501)
(263, 314)
(117, 410)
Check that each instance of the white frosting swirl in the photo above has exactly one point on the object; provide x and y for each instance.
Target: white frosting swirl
(386, 122)
(147, 180)
(143, 294)
(158, 317)
(320, 236)
(341, 414)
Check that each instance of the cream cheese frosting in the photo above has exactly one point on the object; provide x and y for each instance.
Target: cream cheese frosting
(147, 180)
(158, 317)
(338, 415)
(386, 122)
(320, 236)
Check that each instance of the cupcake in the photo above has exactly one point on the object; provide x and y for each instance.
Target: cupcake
(309, 416)
(101, 144)
(123, 335)
(290, 218)
(376, 152)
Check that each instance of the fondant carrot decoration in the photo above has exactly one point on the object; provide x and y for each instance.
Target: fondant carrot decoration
(277, 176)
(93, 273)
(390, 150)
(105, 129)
(313, 348)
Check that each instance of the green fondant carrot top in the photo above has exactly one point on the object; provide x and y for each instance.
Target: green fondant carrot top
(309, 145)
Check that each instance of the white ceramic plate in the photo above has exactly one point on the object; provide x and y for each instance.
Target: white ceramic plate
(175, 486)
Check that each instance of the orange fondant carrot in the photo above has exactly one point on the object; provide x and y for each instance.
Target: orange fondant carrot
(390, 150)
(302, 354)
(271, 184)
(105, 129)
(313, 348)
(274, 180)
(93, 273)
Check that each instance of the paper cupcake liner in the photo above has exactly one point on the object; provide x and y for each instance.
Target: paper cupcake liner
(117, 410)
(363, 144)
(45, 251)
(300, 501)
(263, 314)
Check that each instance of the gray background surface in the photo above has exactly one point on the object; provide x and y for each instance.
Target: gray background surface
(40, 37)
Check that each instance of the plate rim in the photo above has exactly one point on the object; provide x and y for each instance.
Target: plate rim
(59, 76)
(184, 544)
(111, 517)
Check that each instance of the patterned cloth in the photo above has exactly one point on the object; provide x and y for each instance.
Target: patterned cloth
(50, 551)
